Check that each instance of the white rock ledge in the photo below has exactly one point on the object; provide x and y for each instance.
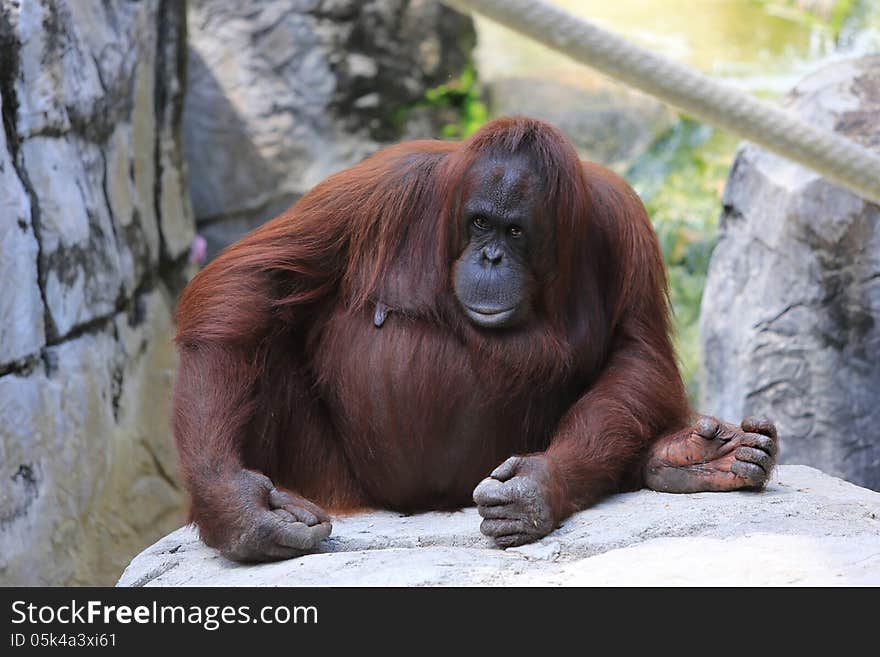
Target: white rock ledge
(806, 528)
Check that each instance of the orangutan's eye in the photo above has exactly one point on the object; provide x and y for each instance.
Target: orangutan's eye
(481, 223)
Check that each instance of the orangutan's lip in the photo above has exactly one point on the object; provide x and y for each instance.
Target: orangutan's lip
(488, 318)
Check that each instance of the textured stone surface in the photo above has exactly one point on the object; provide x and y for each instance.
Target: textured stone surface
(607, 123)
(21, 307)
(791, 311)
(84, 449)
(282, 93)
(805, 528)
(94, 222)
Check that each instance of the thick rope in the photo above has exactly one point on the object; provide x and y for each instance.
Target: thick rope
(835, 157)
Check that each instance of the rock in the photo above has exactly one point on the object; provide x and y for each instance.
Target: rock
(174, 204)
(805, 528)
(21, 306)
(607, 123)
(281, 94)
(94, 228)
(791, 310)
(84, 449)
(84, 268)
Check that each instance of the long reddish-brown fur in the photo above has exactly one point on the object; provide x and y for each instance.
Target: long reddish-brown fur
(281, 370)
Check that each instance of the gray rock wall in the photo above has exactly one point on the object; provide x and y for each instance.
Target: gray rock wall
(95, 226)
(282, 93)
(791, 310)
(96, 222)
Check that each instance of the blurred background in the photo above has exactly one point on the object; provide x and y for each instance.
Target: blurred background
(141, 137)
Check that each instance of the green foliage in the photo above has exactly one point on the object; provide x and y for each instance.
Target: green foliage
(463, 95)
(833, 21)
(843, 9)
(680, 181)
(460, 100)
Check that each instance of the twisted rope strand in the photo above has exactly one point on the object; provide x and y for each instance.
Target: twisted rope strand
(835, 157)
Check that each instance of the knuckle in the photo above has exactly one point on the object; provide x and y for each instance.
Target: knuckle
(319, 532)
(284, 514)
(260, 479)
(481, 496)
(263, 530)
(762, 442)
(751, 472)
(280, 497)
(707, 426)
